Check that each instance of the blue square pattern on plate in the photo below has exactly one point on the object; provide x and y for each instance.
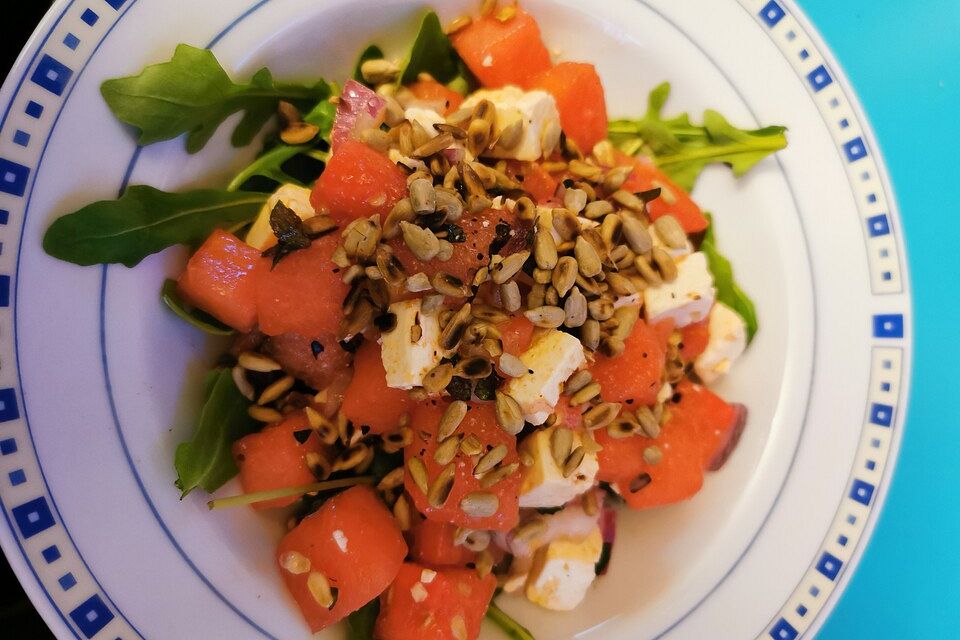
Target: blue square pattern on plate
(91, 616)
(52, 75)
(855, 149)
(116, 4)
(878, 225)
(8, 400)
(842, 541)
(51, 554)
(33, 517)
(13, 177)
(34, 109)
(783, 630)
(71, 42)
(862, 492)
(8, 446)
(67, 581)
(819, 78)
(801, 611)
(888, 325)
(17, 477)
(21, 138)
(772, 13)
(89, 17)
(881, 414)
(4, 216)
(829, 565)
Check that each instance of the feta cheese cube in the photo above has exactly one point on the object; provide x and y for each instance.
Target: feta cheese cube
(537, 109)
(728, 339)
(425, 117)
(406, 362)
(687, 299)
(543, 484)
(551, 359)
(563, 571)
(295, 197)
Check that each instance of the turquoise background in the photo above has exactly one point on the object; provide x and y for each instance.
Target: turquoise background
(903, 59)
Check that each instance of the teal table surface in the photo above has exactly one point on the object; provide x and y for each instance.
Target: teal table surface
(903, 59)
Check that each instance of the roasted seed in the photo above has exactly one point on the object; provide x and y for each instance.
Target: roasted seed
(257, 362)
(496, 475)
(525, 209)
(392, 480)
(490, 459)
(597, 209)
(422, 242)
(379, 71)
(511, 135)
(352, 273)
(423, 197)
(401, 212)
(471, 445)
(401, 513)
(565, 223)
(439, 490)
(418, 282)
(626, 320)
(536, 295)
(264, 414)
(601, 309)
(628, 200)
(620, 285)
(418, 473)
(648, 422)
(577, 381)
(509, 414)
(583, 169)
(449, 203)
(479, 504)
(376, 139)
(636, 234)
(475, 368)
(590, 334)
(453, 332)
(575, 200)
(545, 249)
(601, 415)
(647, 271)
(451, 419)
(548, 317)
(353, 457)
(625, 425)
(509, 267)
(588, 260)
(510, 296)
(639, 482)
(239, 375)
(512, 365)
(611, 346)
(320, 590)
(449, 285)
(670, 231)
(294, 562)
(275, 390)
(478, 135)
(564, 275)
(561, 442)
(551, 298)
(665, 264)
(446, 451)
(542, 276)
(445, 252)
(575, 309)
(299, 133)
(616, 177)
(585, 394)
(488, 314)
(652, 455)
(573, 461)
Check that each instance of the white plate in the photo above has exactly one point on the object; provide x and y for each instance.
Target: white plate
(98, 382)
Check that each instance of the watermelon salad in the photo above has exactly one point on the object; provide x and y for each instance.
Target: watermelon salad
(466, 316)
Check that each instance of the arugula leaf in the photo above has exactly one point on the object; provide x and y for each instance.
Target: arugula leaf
(682, 149)
(510, 627)
(206, 461)
(201, 320)
(372, 52)
(360, 623)
(433, 53)
(144, 221)
(728, 291)
(192, 94)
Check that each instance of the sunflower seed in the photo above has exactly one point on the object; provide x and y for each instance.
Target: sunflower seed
(647, 271)
(627, 200)
(471, 445)
(577, 381)
(548, 317)
(432, 145)
(551, 298)
(611, 346)
(423, 197)
(601, 415)
(639, 482)
(565, 223)
(439, 490)
(376, 139)
(652, 455)
(422, 242)
(479, 504)
(636, 234)
(451, 419)
(299, 133)
(590, 334)
(585, 394)
(450, 203)
(624, 426)
(257, 362)
(615, 178)
(509, 414)
(511, 135)
(481, 276)
(620, 285)
(564, 275)
(488, 314)
(525, 209)
(545, 249)
(264, 414)
(446, 451)
(490, 459)
(494, 476)
(353, 458)
(320, 590)
(510, 296)
(379, 71)
(275, 390)
(239, 375)
(475, 368)
(573, 461)
(353, 272)
(601, 309)
(561, 442)
(665, 264)
(445, 252)
(536, 295)
(392, 480)
(582, 169)
(512, 366)
(478, 135)
(597, 209)
(453, 332)
(648, 422)
(294, 562)
(509, 267)
(418, 282)
(401, 513)
(575, 200)
(588, 260)
(418, 473)
(401, 212)
(670, 231)
(449, 285)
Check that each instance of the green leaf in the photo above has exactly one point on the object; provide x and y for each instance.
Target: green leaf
(201, 320)
(510, 627)
(433, 53)
(206, 461)
(144, 221)
(682, 149)
(728, 291)
(361, 622)
(192, 94)
(372, 52)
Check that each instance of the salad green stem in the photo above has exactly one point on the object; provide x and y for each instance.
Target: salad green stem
(286, 492)
(510, 627)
